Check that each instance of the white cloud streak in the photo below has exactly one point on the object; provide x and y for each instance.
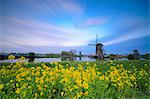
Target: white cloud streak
(36, 33)
(56, 7)
(129, 36)
(129, 27)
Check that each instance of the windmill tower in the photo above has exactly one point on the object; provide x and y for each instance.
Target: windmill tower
(99, 49)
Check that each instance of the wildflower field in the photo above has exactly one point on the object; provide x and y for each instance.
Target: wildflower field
(75, 80)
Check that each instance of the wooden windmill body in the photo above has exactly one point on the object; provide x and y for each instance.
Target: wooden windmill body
(99, 49)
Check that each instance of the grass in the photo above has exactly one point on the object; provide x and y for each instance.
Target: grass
(17, 81)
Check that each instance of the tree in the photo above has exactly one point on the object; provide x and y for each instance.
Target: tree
(130, 57)
(31, 56)
(146, 56)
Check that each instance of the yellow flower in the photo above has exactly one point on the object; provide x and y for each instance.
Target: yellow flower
(25, 85)
(38, 68)
(29, 87)
(85, 85)
(78, 95)
(111, 61)
(116, 72)
(41, 81)
(50, 73)
(79, 82)
(53, 90)
(23, 74)
(115, 85)
(99, 73)
(132, 78)
(44, 73)
(44, 66)
(106, 78)
(120, 84)
(29, 78)
(18, 91)
(47, 79)
(17, 84)
(62, 93)
(56, 63)
(11, 57)
(32, 72)
(22, 58)
(76, 87)
(41, 93)
(45, 86)
(87, 63)
(86, 93)
(36, 94)
(39, 87)
(1, 86)
(102, 77)
(37, 73)
(11, 81)
(119, 78)
(37, 80)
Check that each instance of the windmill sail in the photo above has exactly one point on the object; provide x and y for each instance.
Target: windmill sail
(92, 44)
(96, 38)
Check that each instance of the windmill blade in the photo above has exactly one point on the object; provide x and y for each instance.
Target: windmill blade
(96, 38)
(92, 44)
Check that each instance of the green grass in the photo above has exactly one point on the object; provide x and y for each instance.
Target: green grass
(103, 66)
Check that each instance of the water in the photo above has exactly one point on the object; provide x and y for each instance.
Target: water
(57, 60)
(49, 60)
(85, 59)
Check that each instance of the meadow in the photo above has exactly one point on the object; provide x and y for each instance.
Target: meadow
(75, 80)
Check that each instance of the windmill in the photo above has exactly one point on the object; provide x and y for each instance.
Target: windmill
(99, 49)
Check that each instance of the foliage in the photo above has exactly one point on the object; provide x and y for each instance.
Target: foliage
(31, 55)
(86, 80)
(146, 56)
(130, 57)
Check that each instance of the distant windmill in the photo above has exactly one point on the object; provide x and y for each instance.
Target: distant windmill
(99, 49)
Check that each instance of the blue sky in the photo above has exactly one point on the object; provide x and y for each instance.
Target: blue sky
(46, 26)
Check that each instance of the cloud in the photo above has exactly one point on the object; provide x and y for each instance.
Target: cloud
(70, 6)
(130, 23)
(36, 33)
(7, 43)
(56, 7)
(128, 27)
(95, 21)
(129, 36)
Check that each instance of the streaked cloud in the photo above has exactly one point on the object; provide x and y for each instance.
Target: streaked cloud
(56, 7)
(37, 33)
(95, 21)
(129, 36)
(127, 28)
(70, 6)
(43, 24)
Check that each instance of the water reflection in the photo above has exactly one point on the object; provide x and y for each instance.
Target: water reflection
(31, 59)
(80, 59)
(50, 59)
(47, 59)
(68, 59)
